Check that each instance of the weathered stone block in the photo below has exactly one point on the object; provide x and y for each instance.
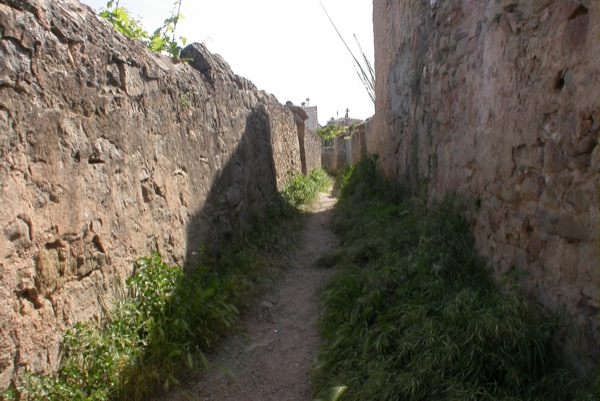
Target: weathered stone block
(47, 268)
(572, 228)
(555, 190)
(581, 198)
(532, 187)
(17, 232)
(554, 158)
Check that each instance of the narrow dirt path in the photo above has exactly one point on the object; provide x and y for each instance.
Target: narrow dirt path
(272, 357)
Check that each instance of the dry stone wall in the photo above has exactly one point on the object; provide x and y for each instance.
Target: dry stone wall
(499, 100)
(109, 153)
(328, 159)
(313, 150)
(347, 149)
(309, 141)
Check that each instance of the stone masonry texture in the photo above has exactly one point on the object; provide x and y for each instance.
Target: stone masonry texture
(312, 143)
(108, 153)
(499, 100)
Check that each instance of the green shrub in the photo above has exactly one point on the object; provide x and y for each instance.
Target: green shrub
(303, 189)
(321, 179)
(413, 313)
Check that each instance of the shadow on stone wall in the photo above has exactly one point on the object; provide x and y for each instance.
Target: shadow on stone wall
(242, 189)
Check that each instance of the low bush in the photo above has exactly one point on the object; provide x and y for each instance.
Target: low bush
(304, 189)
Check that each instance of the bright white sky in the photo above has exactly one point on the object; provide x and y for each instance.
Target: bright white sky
(286, 47)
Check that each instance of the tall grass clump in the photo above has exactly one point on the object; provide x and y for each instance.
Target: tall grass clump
(158, 325)
(413, 313)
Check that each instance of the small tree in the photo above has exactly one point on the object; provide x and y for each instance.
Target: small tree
(328, 133)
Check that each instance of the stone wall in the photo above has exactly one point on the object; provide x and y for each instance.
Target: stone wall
(328, 159)
(349, 148)
(358, 141)
(339, 144)
(313, 150)
(109, 153)
(500, 100)
(309, 141)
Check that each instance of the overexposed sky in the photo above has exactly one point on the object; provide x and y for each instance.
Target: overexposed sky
(287, 48)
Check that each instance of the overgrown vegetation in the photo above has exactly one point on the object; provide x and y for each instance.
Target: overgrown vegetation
(163, 40)
(304, 189)
(160, 324)
(413, 313)
(328, 133)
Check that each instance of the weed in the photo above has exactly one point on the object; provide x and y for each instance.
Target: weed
(303, 190)
(413, 313)
(184, 98)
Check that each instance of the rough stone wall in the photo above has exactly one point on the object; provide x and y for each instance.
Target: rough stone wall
(339, 144)
(358, 138)
(349, 148)
(300, 117)
(309, 141)
(499, 100)
(108, 153)
(328, 159)
(313, 150)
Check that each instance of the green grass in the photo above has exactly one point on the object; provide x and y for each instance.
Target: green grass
(413, 313)
(160, 324)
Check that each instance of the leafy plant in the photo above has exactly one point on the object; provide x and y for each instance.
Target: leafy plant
(328, 133)
(163, 40)
(413, 313)
(122, 22)
(302, 190)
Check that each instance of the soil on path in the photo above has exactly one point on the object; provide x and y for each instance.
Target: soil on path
(271, 358)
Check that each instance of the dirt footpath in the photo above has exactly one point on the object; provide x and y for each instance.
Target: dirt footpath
(271, 359)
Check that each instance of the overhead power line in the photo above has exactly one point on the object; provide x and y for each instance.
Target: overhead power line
(368, 80)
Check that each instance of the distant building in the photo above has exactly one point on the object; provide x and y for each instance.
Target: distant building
(312, 123)
(344, 122)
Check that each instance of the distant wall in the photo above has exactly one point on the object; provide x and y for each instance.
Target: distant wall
(313, 150)
(500, 101)
(309, 141)
(109, 153)
(328, 159)
(349, 148)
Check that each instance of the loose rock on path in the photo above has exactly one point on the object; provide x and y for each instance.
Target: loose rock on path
(272, 357)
